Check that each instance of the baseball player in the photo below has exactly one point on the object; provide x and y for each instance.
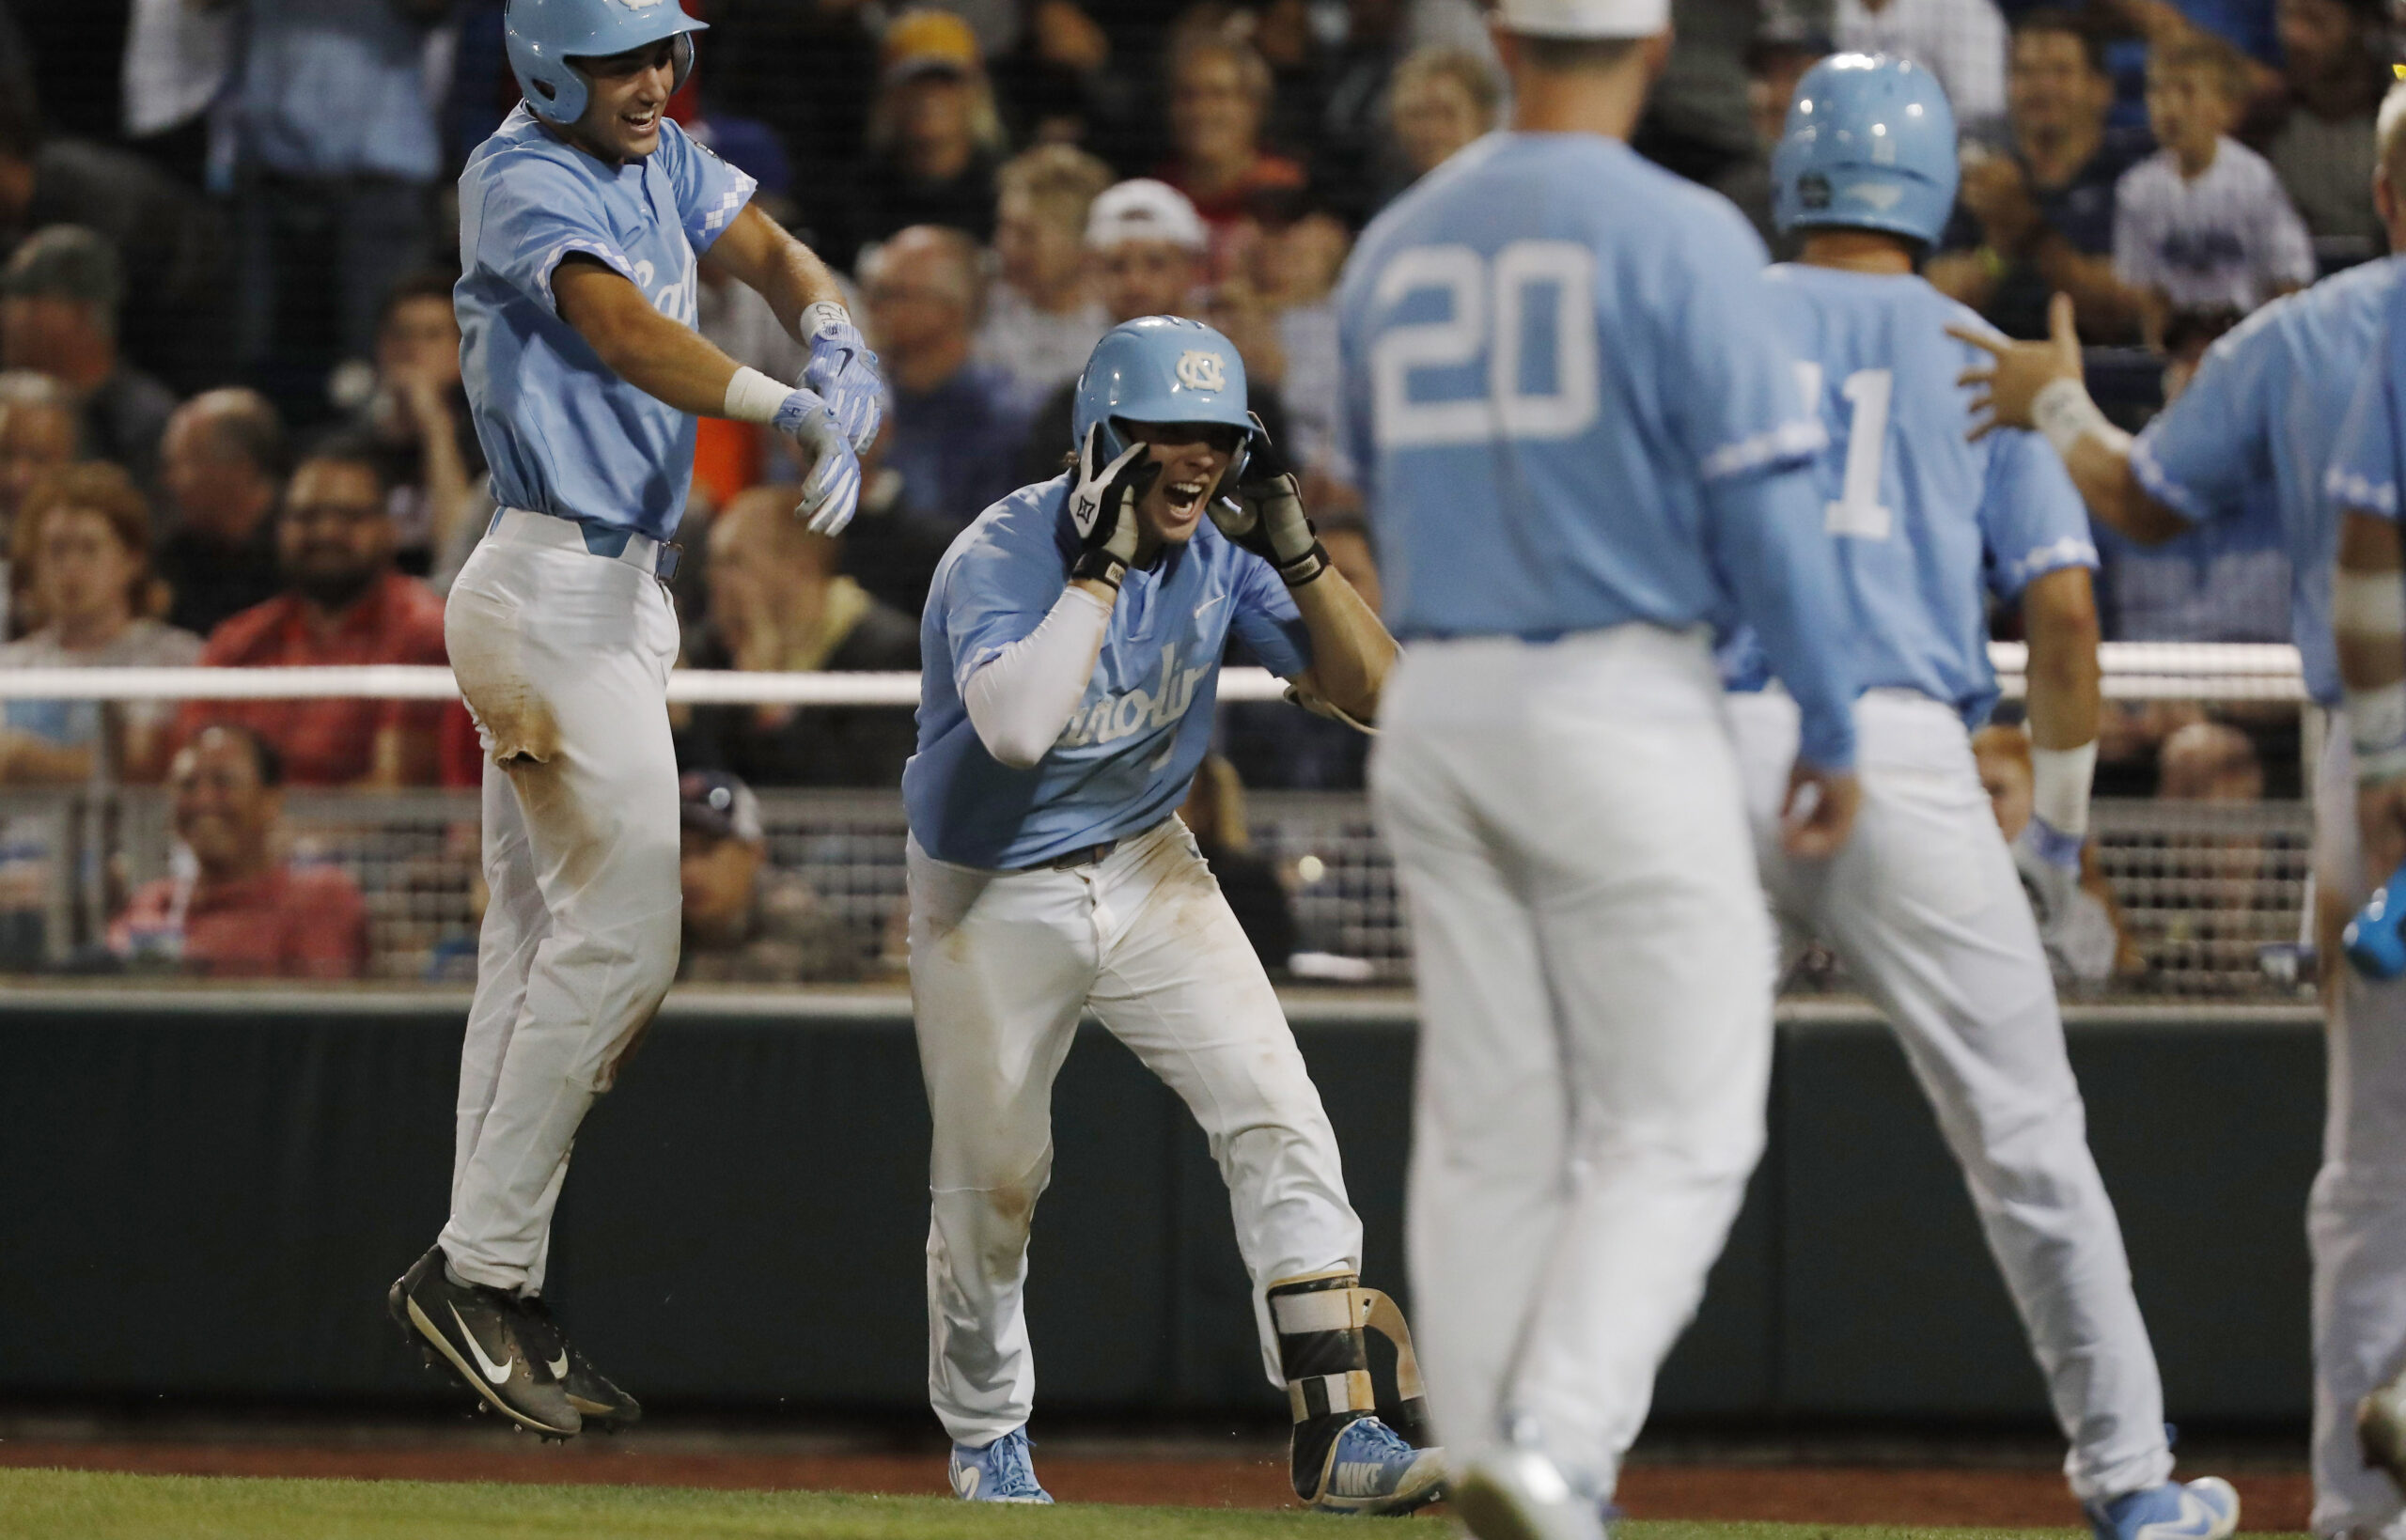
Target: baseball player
(2263, 413)
(583, 222)
(1585, 449)
(1072, 640)
(1924, 905)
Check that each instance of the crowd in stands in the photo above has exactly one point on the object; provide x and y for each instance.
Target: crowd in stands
(232, 426)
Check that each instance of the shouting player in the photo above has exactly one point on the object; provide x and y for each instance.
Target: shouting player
(1924, 905)
(581, 224)
(1072, 639)
(2263, 416)
(1585, 449)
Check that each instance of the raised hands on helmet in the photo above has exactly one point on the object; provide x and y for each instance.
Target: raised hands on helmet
(1102, 507)
(1264, 514)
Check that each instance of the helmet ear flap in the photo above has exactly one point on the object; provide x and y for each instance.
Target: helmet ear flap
(682, 52)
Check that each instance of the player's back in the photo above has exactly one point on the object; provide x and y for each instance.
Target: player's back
(1549, 345)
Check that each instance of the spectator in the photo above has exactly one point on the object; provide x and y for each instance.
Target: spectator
(83, 543)
(2038, 218)
(36, 436)
(1219, 95)
(1961, 41)
(2320, 137)
(2209, 762)
(958, 424)
(1280, 310)
(344, 602)
(746, 922)
(934, 141)
(1776, 58)
(2080, 924)
(891, 546)
(779, 606)
(419, 413)
(241, 910)
(2203, 221)
(1442, 99)
(337, 155)
(1213, 813)
(60, 297)
(1041, 316)
(1356, 162)
(220, 466)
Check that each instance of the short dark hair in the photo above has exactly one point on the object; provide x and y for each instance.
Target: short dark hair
(2073, 24)
(350, 447)
(1569, 56)
(425, 283)
(265, 757)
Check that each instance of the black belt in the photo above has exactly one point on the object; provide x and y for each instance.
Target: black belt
(1069, 861)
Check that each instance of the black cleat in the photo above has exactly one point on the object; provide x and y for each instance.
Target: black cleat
(604, 1407)
(482, 1335)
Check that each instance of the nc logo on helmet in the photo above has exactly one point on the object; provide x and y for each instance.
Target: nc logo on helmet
(1198, 368)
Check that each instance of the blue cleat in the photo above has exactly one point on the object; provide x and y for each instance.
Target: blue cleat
(1372, 1470)
(2205, 1509)
(1000, 1473)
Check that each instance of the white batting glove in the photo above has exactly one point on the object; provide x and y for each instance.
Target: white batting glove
(832, 491)
(1102, 507)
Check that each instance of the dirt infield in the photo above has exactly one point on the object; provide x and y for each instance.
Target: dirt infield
(1832, 1494)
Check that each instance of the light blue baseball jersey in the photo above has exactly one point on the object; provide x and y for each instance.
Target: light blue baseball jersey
(1132, 746)
(2262, 418)
(1550, 349)
(563, 433)
(1923, 519)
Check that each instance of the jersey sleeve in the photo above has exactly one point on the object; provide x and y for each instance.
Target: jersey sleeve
(535, 212)
(2364, 461)
(709, 192)
(2201, 455)
(1729, 383)
(2031, 515)
(1267, 621)
(993, 596)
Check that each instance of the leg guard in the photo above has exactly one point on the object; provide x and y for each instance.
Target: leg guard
(1323, 1321)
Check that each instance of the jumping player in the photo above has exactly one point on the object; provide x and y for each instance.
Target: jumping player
(1585, 449)
(581, 224)
(1924, 905)
(2262, 417)
(1072, 640)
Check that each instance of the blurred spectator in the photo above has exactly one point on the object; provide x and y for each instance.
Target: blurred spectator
(220, 467)
(1961, 41)
(1213, 811)
(892, 546)
(1280, 310)
(751, 68)
(1041, 316)
(2318, 136)
(344, 603)
(59, 298)
(2203, 221)
(2080, 924)
(1219, 96)
(1356, 163)
(779, 605)
(2038, 218)
(934, 141)
(1442, 99)
(178, 58)
(745, 921)
(238, 909)
(958, 425)
(36, 436)
(83, 546)
(175, 321)
(420, 413)
(1776, 59)
(2209, 762)
(336, 155)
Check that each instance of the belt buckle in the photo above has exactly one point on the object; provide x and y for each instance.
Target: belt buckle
(665, 561)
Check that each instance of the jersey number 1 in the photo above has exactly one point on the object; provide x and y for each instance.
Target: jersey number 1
(1858, 511)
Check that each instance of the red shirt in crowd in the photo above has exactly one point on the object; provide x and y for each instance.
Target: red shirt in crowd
(1228, 215)
(306, 922)
(328, 743)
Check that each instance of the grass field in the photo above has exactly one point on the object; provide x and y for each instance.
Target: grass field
(87, 1505)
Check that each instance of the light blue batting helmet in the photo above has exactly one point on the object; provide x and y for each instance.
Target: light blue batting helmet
(1869, 146)
(1162, 369)
(543, 34)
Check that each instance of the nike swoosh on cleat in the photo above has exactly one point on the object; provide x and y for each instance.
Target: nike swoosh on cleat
(497, 1373)
(2197, 1518)
(964, 1482)
(558, 1367)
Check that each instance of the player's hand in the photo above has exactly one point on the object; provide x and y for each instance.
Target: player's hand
(1819, 813)
(1102, 506)
(831, 490)
(2380, 825)
(1265, 514)
(844, 371)
(2022, 369)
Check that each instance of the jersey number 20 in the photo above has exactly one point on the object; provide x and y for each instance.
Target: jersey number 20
(1858, 511)
(1489, 310)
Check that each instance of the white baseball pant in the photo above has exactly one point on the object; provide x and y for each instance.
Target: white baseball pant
(2356, 1215)
(1923, 906)
(563, 657)
(1595, 993)
(1003, 964)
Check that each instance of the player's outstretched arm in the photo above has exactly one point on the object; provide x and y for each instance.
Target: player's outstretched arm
(2369, 620)
(759, 253)
(2043, 386)
(2059, 612)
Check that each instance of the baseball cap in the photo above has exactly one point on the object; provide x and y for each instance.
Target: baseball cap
(67, 262)
(1585, 18)
(927, 41)
(1142, 208)
(718, 804)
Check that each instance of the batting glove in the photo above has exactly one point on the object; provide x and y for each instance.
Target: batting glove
(1102, 507)
(1265, 516)
(831, 490)
(843, 371)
